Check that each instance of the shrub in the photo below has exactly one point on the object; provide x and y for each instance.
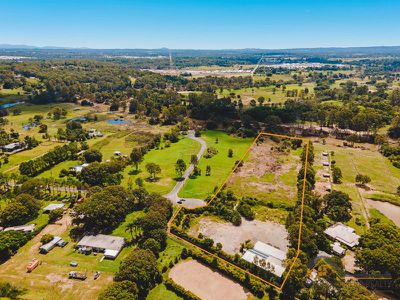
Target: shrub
(210, 152)
(46, 238)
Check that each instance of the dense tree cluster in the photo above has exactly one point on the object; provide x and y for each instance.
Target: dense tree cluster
(20, 210)
(103, 174)
(59, 154)
(105, 208)
(10, 242)
(140, 268)
(379, 251)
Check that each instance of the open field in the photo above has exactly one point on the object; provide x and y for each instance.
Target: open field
(231, 236)
(166, 158)
(275, 94)
(206, 283)
(269, 173)
(221, 165)
(12, 95)
(362, 159)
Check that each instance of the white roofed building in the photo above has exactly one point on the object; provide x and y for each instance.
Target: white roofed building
(110, 245)
(53, 206)
(343, 234)
(266, 257)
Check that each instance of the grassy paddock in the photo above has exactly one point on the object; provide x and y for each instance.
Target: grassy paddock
(166, 158)
(221, 165)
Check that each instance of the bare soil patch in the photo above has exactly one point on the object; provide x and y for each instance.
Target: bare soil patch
(262, 171)
(206, 283)
(231, 236)
(388, 209)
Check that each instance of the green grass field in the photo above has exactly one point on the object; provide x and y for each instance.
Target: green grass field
(221, 165)
(267, 92)
(161, 292)
(384, 177)
(166, 158)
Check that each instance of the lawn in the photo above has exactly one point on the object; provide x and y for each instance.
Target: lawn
(221, 165)
(166, 158)
(161, 292)
(121, 229)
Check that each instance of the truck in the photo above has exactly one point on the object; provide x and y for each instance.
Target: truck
(77, 275)
(32, 265)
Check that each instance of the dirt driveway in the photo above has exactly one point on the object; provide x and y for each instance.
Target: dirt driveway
(206, 283)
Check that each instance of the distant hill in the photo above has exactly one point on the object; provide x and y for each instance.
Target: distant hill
(250, 55)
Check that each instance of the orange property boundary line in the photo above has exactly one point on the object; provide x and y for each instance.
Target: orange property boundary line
(223, 185)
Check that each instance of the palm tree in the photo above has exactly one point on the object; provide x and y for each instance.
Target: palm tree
(133, 228)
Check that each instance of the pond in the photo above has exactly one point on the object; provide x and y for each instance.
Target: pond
(388, 209)
(8, 105)
(118, 122)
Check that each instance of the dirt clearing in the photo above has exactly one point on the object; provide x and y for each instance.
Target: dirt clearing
(205, 283)
(268, 173)
(231, 236)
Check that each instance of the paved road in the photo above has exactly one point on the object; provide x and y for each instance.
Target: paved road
(173, 195)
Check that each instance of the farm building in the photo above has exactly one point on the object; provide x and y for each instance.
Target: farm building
(24, 228)
(273, 257)
(53, 206)
(56, 241)
(12, 147)
(337, 249)
(343, 234)
(107, 244)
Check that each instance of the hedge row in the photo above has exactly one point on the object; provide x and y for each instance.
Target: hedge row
(180, 291)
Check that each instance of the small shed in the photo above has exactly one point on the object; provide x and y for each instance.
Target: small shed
(337, 249)
(12, 147)
(111, 254)
(52, 206)
(24, 228)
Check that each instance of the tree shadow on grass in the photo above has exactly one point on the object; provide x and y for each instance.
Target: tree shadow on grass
(134, 172)
(152, 180)
(178, 178)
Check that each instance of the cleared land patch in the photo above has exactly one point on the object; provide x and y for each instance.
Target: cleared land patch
(268, 173)
(206, 283)
(231, 236)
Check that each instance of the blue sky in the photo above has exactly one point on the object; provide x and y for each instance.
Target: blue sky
(202, 24)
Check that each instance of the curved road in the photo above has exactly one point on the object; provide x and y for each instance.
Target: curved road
(173, 195)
